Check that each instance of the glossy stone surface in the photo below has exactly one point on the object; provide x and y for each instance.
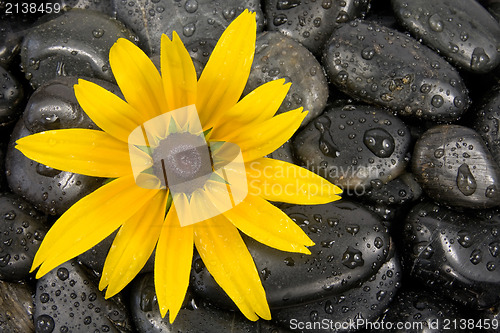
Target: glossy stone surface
(352, 245)
(382, 66)
(455, 253)
(487, 120)
(278, 56)
(11, 98)
(311, 22)
(354, 147)
(67, 300)
(455, 167)
(461, 30)
(74, 44)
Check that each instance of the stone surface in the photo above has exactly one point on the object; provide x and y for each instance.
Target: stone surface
(311, 22)
(22, 230)
(67, 300)
(11, 98)
(455, 167)
(351, 246)
(461, 30)
(192, 19)
(382, 66)
(278, 56)
(354, 147)
(455, 253)
(486, 120)
(16, 308)
(74, 44)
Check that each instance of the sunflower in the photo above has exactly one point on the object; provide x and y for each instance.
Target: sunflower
(174, 148)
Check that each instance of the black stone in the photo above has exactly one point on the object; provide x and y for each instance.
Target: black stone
(366, 301)
(351, 246)
(16, 308)
(67, 300)
(22, 230)
(455, 253)
(74, 44)
(486, 120)
(311, 22)
(461, 30)
(382, 66)
(423, 311)
(196, 315)
(455, 167)
(400, 191)
(278, 56)
(354, 147)
(192, 19)
(11, 98)
(49, 190)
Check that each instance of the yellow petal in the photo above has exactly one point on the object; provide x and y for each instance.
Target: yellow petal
(259, 105)
(178, 73)
(226, 73)
(227, 258)
(138, 78)
(260, 140)
(280, 181)
(133, 245)
(111, 113)
(174, 254)
(269, 225)
(89, 221)
(84, 151)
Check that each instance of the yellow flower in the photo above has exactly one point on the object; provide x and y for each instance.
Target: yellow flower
(147, 216)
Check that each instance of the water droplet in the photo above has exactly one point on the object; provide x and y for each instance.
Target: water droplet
(62, 273)
(494, 248)
(147, 298)
(98, 33)
(287, 4)
(87, 320)
(464, 36)
(378, 242)
(453, 48)
(189, 29)
(465, 180)
(464, 239)
(10, 215)
(46, 171)
(425, 88)
(436, 23)
(491, 266)
(353, 229)
(437, 101)
(352, 258)
(289, 261)
(4, 260)
(44, 324)
(381, 295)
(490, 191)
(438, 153)
(368, 53)
(280, 19)
(380, 142)
(326, 143)
(476, 257)
(479, 59)
(329, 307)
(326, 4)
(44, 298)
(191, 6)
(229, 14)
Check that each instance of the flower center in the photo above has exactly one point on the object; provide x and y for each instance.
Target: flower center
(182, 160)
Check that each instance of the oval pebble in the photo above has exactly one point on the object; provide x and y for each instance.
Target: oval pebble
(11, 98)
(456, 253)
(22, 230)
(382, 66)
(355, 147)
(366, 301)
(69, 46)
(16, 308)
(455, 167)
(278, 56)
(192, 19)
(195, 315)
(351, 246)
(67, 300)
(311, 22)
(462, 30)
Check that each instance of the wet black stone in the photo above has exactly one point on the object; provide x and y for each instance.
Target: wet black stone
(455, 167)
(400, 191)
(382, 66)
(454, 252)
(462, 30)
(12, 30)
(192, 19)
(11, 98)
(49, 190)
(22, 229)
(351, 246)
(196, 315)
(354, 147)
(278, 56)
(493, 7)
(422, 306)
(74, 44)
(73, 303)
(367, 301)
(16, 308)
(487, 120)
(311, 22)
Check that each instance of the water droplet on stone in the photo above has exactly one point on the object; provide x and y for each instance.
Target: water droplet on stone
(464, 239)
(46, 171)
(44, 324)
(62, 273)
(438, 153)
(479, 59)
(380, 142)
(189, 29)
(353, 229)
(289, 261)
(10, 215)
(368, 53)
(465, 180)
(476, 257)
(436, 23)
(490, 191)
(191, 6)
(44, 297)
(437, 101)
(229, 14)
(352, 258)
(280, 19)
(287, 4)
(98, 33)
(425, 88)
